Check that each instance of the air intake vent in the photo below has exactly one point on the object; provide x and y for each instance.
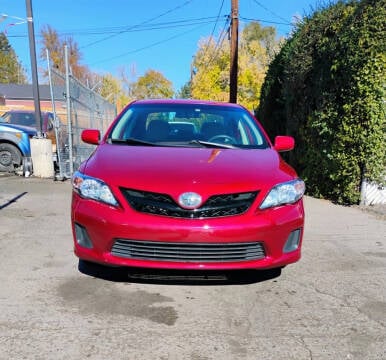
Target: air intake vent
(188, 252)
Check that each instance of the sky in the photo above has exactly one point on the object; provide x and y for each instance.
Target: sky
(138, 35)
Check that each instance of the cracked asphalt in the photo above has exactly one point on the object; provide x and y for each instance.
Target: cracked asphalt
(330, 305)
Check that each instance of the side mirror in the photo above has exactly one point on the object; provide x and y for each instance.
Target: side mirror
(284, 143)
(91, 136)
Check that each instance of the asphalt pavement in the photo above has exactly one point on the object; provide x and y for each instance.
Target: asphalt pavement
(329, 305)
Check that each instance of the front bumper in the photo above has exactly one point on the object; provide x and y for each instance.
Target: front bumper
(104, 225)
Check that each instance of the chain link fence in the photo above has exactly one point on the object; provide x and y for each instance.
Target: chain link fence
(80, 109)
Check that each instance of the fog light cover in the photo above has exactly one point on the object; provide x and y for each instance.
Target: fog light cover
(292, 242)
(82, 237)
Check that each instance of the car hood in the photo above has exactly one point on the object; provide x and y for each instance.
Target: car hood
(27, 129)
(175, 169)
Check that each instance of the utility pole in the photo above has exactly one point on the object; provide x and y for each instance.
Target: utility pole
(234, 51)
(41, 148)
(32, 50)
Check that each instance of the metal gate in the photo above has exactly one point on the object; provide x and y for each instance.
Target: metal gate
(76, 107)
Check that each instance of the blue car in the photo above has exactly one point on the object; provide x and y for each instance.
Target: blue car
(15, 149)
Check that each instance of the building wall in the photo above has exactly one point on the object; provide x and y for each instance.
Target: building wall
(45, 105)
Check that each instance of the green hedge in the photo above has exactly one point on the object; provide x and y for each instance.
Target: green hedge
(326, 88)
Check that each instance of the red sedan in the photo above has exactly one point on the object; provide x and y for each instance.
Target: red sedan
(184, 184)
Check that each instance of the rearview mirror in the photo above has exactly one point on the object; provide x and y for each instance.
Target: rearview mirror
(284, 143)
(91, 136)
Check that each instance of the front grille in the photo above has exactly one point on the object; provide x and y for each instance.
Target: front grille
(188, 252)
(163, 204)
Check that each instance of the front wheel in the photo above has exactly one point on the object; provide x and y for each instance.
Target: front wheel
(10, 157)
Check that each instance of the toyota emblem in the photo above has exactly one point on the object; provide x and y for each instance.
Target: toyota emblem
(190, 200)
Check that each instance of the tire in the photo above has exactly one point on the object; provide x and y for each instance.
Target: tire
(10, 156)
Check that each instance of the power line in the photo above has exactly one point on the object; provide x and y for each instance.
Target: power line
(218, 17)
(156, 26)
(148, 28)
(270, 11)
(116, 30)
(265, 21)
(142, 23)
(219, 43)
(214, 29)
(145, 27)
(220, 40)
(148, 46)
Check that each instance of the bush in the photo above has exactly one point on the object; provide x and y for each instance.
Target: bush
(327, 89)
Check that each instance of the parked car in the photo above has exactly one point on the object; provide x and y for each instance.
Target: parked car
(27, 118)
(223, 199)
(15, 150)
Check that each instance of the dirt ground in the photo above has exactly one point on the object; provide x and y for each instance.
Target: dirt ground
(329, 305)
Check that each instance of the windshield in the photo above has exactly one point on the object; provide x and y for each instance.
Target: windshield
(188, 125)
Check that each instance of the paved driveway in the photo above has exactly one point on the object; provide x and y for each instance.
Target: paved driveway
(330, 305)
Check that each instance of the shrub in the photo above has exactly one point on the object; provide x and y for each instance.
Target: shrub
(326, 88)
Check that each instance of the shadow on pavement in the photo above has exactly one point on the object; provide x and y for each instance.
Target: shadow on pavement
(176, 277)
(13, 200)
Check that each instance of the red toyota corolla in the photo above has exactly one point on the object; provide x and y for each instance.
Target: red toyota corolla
(187, 184)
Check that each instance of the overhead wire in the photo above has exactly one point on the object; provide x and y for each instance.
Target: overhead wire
(142, 23)
(270, 11)
(217, 19)
(265, 21)
(220, 40)
(147, 47)
(145, 27)
(223, 34)
(150, 27)
(212, 34)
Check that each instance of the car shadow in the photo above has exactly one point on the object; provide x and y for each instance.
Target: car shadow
(177, 277)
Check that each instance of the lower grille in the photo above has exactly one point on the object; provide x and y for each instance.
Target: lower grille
(188, 252)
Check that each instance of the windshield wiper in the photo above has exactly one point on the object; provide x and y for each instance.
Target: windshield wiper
(212, 144)
(132, 141)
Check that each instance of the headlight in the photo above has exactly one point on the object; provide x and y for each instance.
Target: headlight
(285, 193)
(92, 188)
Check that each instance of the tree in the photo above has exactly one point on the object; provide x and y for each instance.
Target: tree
(11, 70)
(127, 77)
(186, 91)
(266, 36)
(152, 85)
(212, 62)
(55, 46)
(327, 89)
(51, 42)
(111, 89)
(211, 71)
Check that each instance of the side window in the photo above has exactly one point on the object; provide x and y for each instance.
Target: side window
(23, 119)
